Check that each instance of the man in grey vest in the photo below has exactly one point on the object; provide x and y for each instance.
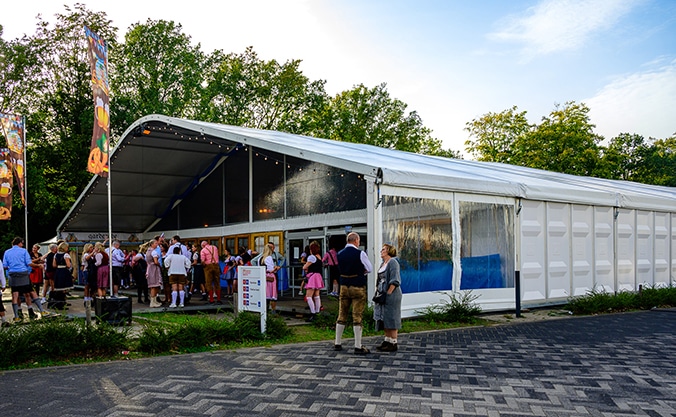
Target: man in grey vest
(354, 265)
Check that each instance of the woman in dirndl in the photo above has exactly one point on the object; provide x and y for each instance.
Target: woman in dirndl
(270, 276)
(314, 280)
(63, 275)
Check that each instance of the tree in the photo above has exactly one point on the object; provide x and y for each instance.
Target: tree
(563, 142)
(370, 116)
(244, 90)
(50, 83)
(495, 135)
(623, 156)
(658, 163)
(155, 70)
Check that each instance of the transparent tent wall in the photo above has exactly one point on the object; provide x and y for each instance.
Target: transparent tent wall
(421, 229)
(486, 245)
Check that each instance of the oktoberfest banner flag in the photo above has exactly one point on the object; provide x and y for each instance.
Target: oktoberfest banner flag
(98, 61)
(13, 128)
(5, 184)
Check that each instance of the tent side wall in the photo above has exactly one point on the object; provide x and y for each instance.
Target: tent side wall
(571, 249)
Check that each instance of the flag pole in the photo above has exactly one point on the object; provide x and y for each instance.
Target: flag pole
(25, 180)
(110, 224)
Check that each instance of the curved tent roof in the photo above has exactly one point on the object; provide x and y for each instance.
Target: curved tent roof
(147, 182)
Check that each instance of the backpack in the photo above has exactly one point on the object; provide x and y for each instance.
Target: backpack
(141, 265)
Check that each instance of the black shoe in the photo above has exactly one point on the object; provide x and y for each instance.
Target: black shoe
(337, 347)
(311, 318)
(146, 301)
(382, 346)
(361, 351)
(219, 302)
(140, 301)
(391, 347)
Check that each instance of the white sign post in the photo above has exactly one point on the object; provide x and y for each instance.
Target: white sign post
(251, 285)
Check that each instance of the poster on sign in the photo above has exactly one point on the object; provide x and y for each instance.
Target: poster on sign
(251, 286)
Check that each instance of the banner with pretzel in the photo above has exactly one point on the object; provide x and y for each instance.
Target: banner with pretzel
(13, 129)
(98, 60)
(5, 184)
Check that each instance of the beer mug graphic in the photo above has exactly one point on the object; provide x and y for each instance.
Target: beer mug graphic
(5, 190)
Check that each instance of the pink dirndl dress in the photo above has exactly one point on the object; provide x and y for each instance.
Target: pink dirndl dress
(270, 287)
(271, 290)
(102, 273)
(315, 280)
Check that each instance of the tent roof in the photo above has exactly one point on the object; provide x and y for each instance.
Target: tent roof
(160, 159)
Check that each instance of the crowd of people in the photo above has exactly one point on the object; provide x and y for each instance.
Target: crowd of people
(169, 268)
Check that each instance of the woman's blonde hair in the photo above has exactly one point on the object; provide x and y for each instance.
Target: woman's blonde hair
(267, 251)
(63, 247)
(391, 250)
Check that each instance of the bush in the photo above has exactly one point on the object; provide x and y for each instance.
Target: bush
(155, 338)
(599, 301)
(202, 331)
(58, 339)
(459, 309)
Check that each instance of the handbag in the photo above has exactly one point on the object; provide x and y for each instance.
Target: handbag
(270, 276)
(379, 297)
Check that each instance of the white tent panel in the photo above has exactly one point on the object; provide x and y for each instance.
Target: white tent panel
(673, 247)
(661, 249)
(533, 269)
(626, 250)
(604, 250)
(582, 249)
(644, 247)
(558, 250)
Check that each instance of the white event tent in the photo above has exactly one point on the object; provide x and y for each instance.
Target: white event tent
(458, 225)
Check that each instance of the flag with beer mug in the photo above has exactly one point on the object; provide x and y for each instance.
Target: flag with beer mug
(98, 161)
(13, 129)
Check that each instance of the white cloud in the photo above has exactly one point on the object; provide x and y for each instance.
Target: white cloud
(559, 25)
(641, 103)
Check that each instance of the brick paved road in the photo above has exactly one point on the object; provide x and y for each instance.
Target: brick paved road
(613, 365)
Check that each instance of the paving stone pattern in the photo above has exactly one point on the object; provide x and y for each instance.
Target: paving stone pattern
(611, 365)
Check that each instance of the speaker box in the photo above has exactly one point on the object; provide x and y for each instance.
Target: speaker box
(115, 311)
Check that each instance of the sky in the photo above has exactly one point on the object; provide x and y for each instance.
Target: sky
(450, 61)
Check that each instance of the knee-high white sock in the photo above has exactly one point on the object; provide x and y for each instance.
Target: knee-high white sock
(318, 304)
(357, 336)
(339, 333)
(182, 296)
(174, 295)
(311, 304)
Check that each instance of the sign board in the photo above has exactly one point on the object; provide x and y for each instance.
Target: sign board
(251, 285)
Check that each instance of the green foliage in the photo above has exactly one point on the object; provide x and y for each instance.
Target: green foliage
(243, 90)
(495, 135)
(369, 115)
(563, 142)
(155, 70)
(58, 339)
(155, 338)
(460, 308)
(201, 331)
(599, 301)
